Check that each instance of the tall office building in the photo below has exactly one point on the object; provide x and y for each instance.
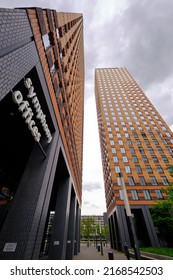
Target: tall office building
(41, 120)
(137, 142)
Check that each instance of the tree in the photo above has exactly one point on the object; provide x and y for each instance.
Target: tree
(87, 228)
(162, 213)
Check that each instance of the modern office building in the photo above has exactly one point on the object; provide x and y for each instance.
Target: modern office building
(41, 123)
(137, 142)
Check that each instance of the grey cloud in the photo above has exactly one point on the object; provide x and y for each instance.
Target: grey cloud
(92, 186)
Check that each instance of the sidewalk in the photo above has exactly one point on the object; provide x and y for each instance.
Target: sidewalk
(91, 253)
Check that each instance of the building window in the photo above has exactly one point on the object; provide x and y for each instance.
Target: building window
(127, 168)
(131, 181)
(125, 159)
(143, 135)
(158, 194)
(134, 195)
(149, 169)
(132, 150)
(147, 194)
(134, 158)
(46, 41)
(141, 150)
(115, 159)
(159, 149)
(112, 143)
(151, 134)
(154, 158)
(138, 169)
(113, 150)
(147, 142)
(138, 142)
(129, 142)
(119, 181)
(164, 158)
(135, 135)
(159, 169)
(121, 194)
(142, 181)
(145, 159)
(122, 150)
(120, 142)
(118, 135)
(110, 135)
(165, 181)
(117, 169)
(155, 141)
(153, 181)
(150, 150)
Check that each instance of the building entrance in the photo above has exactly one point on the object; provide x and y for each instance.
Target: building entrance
(16, 144)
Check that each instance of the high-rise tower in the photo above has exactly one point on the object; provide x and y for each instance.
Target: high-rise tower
(137, 142)
(41, 120)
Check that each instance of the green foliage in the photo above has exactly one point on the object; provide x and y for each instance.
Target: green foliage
(162, 212)
(161, 251)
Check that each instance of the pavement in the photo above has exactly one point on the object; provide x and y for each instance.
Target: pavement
(92, 253)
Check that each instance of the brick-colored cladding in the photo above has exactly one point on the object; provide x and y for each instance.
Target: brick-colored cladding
(134, 140)
(63, 66)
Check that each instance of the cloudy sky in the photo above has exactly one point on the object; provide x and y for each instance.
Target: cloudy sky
(136, 34)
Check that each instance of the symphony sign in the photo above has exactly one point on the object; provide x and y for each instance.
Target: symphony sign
(27, 112)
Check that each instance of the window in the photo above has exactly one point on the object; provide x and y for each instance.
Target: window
(122, 150)
(159, 149)
(46, 41)
(151, 134)
(121, 194)
(150, 150)
(159, 168)
(113, 150)
(119, 181)
(159, 194)
(154, 158)
(125, 159)
(147, 142)
(131, 181)
(147, 194)
(120, 142)
(149, 169)
(134, 158)
(129, 142)
(132, 150)
(165, 181)
(135, 135)
(164, 158)
(118, 135)
(155, 141)
(126, 135)
(138, 169)
(127, 168)
(143, 135)
(134, 195)
(117, 169)
(115, 159)
(112, 142)
(138, 142)
(153, 181)
(144, 158)
(164, 141)
(141, 150)
(110, 135)
(142, 181)
(169, 149)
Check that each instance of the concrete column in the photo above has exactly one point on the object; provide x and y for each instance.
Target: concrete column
(77, 231)
(111, 230)
(58, 243)
(71, 228)
(150, 227)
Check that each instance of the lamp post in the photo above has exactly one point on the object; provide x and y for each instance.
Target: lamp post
(101, 243)
(130, 219)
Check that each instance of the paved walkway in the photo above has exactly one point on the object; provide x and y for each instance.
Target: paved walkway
(91, 253)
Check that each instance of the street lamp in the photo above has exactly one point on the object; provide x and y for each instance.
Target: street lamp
(130, 218)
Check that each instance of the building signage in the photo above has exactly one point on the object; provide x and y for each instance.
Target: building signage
(10, 247)
(27, 112)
